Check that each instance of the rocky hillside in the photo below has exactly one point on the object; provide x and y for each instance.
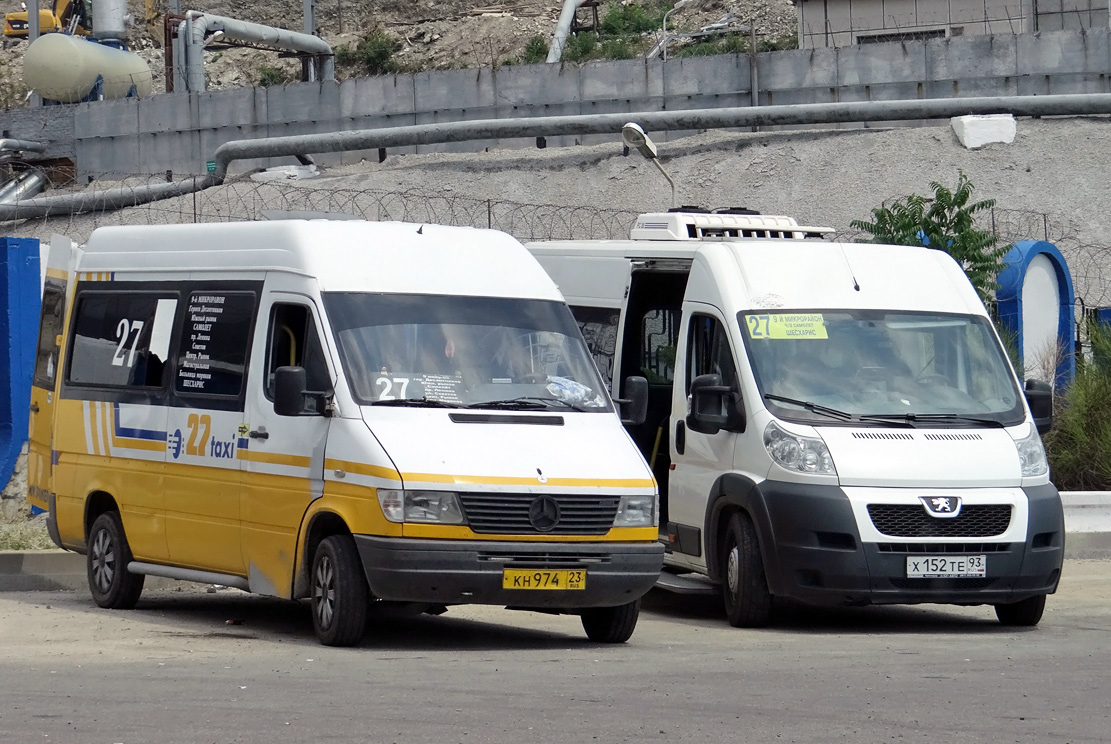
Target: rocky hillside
(423, 34)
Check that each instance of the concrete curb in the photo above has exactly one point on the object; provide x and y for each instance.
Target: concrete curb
(60, 570)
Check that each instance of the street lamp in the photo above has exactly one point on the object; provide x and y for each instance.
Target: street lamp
(635, 138)
(674, 8)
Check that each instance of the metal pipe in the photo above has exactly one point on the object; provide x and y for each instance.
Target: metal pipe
(563, 29)
(21, 145)
(817, 113)
(118, 198)
(198, 24)
(694, 119)
(23, 186)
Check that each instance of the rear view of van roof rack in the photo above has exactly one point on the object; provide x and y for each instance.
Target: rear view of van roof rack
(721, 225)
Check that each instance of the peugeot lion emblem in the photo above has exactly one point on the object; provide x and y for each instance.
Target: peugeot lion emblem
(942, 506)
(543, 513)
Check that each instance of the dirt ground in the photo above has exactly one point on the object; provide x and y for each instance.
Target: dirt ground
(433, 35)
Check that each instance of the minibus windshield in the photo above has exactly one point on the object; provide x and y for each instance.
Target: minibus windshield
(466, 352)
(877, 367)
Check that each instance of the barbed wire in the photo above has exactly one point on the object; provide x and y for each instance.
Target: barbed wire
(243, 198)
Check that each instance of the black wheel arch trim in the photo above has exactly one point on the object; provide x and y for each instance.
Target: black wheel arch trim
(735, 491)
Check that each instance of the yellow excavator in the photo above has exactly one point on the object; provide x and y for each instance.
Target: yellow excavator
(69, 16)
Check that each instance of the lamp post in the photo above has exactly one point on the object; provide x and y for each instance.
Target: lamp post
(675, 7)
(634, 137)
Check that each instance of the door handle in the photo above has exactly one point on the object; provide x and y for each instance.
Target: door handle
(680, 438)
(34, 408)
(260, 433)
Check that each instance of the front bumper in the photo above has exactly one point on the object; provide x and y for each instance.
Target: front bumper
(818, 555)
(470, 571)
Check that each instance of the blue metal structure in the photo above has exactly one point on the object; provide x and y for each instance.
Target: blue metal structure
(20, 305)
(1009, 298)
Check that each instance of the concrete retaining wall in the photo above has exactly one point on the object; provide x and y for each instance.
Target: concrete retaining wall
(180, 132)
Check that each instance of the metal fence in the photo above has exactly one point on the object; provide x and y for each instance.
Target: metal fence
(246, 199)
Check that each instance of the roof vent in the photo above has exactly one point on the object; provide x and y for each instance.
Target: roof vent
(721, 225)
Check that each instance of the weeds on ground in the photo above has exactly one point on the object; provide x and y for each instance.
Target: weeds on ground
(1079, 445)
(373, 53)
(268, 76)
(21, 532)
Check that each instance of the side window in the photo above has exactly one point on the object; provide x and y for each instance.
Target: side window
(599, 328)
(214, 339)
(659, 333)
(50, 325)
(708, 351)
(121, 340)
(292, 341)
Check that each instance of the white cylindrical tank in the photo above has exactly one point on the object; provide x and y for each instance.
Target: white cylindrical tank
(110, 19)
(64, 68)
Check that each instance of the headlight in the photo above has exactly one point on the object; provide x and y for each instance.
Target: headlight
(1031, 454)
(426, 507)
(636, 511)
(801, 454)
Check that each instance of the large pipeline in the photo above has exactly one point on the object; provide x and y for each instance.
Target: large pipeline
(197, 25)
(695, 119)
(563, 29)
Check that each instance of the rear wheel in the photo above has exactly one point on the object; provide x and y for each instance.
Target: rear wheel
(1025, 613)
(340, 595)
(611, 624)
(111, 584)
(748, 603)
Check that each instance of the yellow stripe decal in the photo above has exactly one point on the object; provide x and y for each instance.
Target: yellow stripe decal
(139, 444)
(495, 480)
(57, 274)
(360, 468)
(104, 414)
(297, 461)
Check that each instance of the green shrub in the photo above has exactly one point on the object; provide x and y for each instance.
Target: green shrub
(268, 76)
(946, 222)
(373, 52)
(536, 51)
(580, 47)
(1079, 445)
(635, 18)
(617, 49)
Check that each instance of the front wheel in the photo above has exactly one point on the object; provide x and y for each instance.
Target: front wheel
(748, 603)
(340, 595)
(1027, 612)
(111, 584)
(611, 624)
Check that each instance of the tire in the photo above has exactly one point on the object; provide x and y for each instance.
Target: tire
(112, 586)
(1026, 613)
(748, 603)
(611, 624)
(340, 595)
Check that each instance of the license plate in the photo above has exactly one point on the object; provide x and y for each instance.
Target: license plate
(518, 578)
(947, 566)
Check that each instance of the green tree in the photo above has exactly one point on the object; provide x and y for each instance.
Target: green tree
(946, 222)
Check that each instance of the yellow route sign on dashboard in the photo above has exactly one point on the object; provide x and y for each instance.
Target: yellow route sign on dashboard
(786, 326)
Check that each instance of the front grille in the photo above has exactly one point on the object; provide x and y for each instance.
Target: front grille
(508, 513)
(543, 559)
(938, 585)
(939, 548)
(911, 520)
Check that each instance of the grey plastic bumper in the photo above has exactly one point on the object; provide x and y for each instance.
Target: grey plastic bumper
(470, 572)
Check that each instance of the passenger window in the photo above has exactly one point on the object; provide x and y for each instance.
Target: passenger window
(121, 340)
(50, 325)
(659, 333)
(599, 328)
(708, 352)
(292, 341)
(214, 341)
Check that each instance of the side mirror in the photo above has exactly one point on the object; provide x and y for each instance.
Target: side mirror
(708, 401)
(634, 406)
(290, 384)
(1039, 396)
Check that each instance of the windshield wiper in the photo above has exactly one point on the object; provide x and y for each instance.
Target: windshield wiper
(824, 410)
(414, 403)
(911, 418)
(525, 403)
